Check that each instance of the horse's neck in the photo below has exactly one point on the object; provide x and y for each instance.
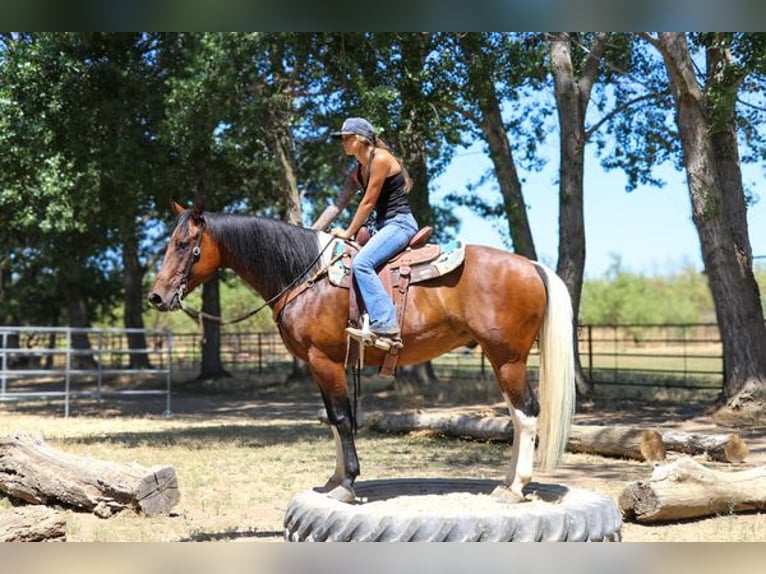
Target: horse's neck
(266, 266)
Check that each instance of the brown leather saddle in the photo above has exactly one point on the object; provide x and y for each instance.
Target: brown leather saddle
(420, 261)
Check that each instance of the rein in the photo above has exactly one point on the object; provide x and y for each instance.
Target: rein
(200, 315)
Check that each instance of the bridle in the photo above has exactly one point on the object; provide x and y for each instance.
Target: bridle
(196, 252)
(200, 315)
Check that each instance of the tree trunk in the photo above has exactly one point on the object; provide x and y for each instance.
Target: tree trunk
(282, 148)
(77, 313)
(132, 276)
(32, 524)
(495, 134)
(211, 367)
(32, 471)
(572, 97)
(711, 158)
(685, 489)
(420, 374)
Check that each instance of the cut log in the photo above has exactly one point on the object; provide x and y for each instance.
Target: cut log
(718, 447)
(458, 425)
(621, 441)
(32, 524)
(686, 489)
(32, 471)
(618, 441)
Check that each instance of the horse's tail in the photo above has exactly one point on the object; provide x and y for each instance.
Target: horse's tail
(557, 371)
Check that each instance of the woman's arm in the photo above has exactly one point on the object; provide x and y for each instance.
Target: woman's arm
(331, 212)
(378, 172)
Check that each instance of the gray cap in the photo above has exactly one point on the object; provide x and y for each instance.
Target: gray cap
(358, 126)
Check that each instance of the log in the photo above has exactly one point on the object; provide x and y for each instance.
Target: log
(618, 441)
(32, 471)
(458, 425)
(686, 489)
(32, 524)
(719, 447)
(627, 442)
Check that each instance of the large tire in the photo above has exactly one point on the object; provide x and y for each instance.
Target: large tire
(452, 510)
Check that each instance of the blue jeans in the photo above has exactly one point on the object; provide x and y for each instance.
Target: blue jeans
(392, 236)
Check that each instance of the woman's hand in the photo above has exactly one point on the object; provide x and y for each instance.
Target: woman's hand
(340, 232)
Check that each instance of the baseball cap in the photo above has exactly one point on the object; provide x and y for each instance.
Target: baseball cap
(358, 126)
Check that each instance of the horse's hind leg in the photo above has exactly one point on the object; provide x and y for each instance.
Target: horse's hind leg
(524, 409)
(331, 379)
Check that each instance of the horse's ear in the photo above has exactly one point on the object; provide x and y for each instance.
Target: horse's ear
(178, 208)
(197, 209)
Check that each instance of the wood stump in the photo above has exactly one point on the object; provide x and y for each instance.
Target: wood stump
(32, 524)
(32, 471)
(686, 489)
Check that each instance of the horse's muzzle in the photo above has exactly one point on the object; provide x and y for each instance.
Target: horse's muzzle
(156, 301)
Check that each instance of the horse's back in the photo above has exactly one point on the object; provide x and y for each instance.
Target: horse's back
(494, 296)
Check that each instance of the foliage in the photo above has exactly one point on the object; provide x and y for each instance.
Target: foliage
(100, 130)
(621, 297)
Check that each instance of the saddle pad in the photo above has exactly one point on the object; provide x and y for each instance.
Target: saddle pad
(450, 258)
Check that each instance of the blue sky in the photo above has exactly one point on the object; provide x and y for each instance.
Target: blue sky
(650, 228)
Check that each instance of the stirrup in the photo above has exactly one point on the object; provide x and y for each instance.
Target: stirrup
(370, 339)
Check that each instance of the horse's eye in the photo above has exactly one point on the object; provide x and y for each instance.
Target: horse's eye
(182, 245)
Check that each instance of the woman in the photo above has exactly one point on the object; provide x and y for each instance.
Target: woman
(386, 185)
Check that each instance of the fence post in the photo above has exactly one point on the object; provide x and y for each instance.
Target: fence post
(68, 370)
(590, 353)
(169, 345)
(99, 367)
(4, 363)
(260, 353)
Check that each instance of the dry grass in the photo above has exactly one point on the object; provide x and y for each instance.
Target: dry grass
(240, 458)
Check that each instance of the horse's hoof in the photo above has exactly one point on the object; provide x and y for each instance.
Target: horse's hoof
(330, 485)
(344, 494)
(505, 494)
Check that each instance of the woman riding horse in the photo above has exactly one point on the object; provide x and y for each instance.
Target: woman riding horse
(502, 301)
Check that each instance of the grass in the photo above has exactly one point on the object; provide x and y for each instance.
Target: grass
(240, 458)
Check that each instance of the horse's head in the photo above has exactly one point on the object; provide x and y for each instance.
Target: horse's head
(191, 258)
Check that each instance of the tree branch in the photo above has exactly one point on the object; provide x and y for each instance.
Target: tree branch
(617, 110)
(592, 60)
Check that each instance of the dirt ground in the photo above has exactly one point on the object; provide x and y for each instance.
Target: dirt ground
(261, 415)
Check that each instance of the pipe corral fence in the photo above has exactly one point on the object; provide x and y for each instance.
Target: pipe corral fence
(68, 362)
(622, 361)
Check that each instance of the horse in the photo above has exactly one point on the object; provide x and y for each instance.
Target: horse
(497, 299)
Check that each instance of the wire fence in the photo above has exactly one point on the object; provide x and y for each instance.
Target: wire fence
(616, 358)
(624, 361)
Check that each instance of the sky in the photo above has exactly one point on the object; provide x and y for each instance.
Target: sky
(650, 229)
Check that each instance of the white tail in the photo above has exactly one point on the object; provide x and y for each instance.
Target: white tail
(557, 372)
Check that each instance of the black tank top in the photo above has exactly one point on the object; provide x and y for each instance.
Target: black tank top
(393, 198)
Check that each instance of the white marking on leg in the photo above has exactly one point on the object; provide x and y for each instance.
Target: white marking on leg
(523, 452)
(340, 465)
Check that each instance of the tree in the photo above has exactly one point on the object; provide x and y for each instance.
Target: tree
(706, 113)
(572, 88)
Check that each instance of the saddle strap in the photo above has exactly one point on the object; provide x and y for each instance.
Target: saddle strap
(392, 357)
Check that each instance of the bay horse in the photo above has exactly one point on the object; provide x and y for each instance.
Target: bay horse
(500, 300)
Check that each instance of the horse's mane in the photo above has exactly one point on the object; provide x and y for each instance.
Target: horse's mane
(275, 252)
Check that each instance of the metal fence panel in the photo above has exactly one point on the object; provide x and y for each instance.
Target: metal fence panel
(44, 362)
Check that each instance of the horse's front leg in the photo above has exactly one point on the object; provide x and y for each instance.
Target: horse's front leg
(331, 378)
